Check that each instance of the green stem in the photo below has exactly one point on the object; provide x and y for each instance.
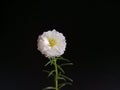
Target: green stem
(56, 74)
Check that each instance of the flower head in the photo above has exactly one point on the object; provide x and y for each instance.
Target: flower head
(51, 43)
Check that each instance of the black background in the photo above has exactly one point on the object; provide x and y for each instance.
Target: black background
(92, 33)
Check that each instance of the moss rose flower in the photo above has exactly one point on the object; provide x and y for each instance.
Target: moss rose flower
(51, 43)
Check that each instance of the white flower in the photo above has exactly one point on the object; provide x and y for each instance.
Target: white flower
(51, 43)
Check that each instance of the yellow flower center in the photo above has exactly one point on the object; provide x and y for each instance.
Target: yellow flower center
(52, 42)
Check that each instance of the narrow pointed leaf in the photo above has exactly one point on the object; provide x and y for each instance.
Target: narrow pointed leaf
(64, 59)
(48, 63)
(65, 64)
(64, 84)
(46, 71)
(51, 73)
(49, 88)
(60, 69)
(61, 78)
(66, 77)
(51, 61)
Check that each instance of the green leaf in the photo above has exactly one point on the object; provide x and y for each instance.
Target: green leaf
(66, 77)
(46, 71)
(66, 64)
(60, 69)
(51, 73)
(61, 78)
(49, 62)
(49, 88)
(64, 84)
(64, 59)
